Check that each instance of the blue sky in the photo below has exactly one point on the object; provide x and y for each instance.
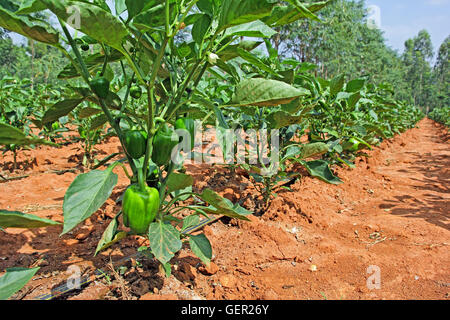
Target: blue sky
(403, 19)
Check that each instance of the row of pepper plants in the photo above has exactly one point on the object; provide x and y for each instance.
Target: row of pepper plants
(150, 68)
(441, 115)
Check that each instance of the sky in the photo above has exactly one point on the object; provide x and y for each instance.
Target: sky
(403, 19)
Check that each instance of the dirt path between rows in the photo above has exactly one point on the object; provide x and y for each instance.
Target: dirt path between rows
(383, 234)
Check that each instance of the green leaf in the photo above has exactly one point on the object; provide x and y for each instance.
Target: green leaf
(92, 61)
(154, 17)
(306, 151)
(98, 122)
(15, 279)
(220, 205)
(179, 181)
(110, 236)
(254, 60)
(11, 135)
(321, 169)
(200, 28)
(353, 100)
(135, 7)
(164, 241)
(201, 247)
(235, 12)
(88, 112)
(281, 119)
(231, 51)
(93, 21)
(282, 15)
(355, 85)
(87, 193)
(29, 27)
(257, 29)
(336, 85)
(206, 6)
(60, 109)
(15, 219)
(190, 221)
(120, 6)
(30, 6)
(264, 92)
(167, 269)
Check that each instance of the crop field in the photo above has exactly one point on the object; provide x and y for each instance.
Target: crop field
(220, 150)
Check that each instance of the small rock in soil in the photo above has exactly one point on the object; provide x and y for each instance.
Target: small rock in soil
(228, 281)
(209, 270)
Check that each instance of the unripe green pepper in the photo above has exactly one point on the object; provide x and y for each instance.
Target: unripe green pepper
(163, 143)
(135, 92)
(187, 124)
(55, 126)
(135, 144)
(140, 207)
(100, 86)
(351, 145)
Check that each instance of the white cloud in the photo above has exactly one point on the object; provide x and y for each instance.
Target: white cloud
(437, 2)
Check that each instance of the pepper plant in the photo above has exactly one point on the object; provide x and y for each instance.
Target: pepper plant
(165, 71)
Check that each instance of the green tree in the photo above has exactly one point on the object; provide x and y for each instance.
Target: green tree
(442, 75)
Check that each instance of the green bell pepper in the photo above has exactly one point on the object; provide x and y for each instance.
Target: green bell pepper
(187, 124)
(100, 86)
(140, 206)
(163, 143)
(135, 144)
(135, 92)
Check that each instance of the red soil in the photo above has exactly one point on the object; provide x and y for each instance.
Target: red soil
(314, 242)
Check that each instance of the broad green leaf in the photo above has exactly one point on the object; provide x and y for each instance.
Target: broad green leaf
(336, 85)
(110, 236)
(190, 221)
(93, 21)
(120, 6)
(235, 12)
(254, 60)
(206, 6)
(281, 119)
(306, 151)
(92, 61)
(29, 27)
(135, 7)
(353, 100)
(201, 247)
(12, 135)
(179, 181)
(87, 193)
(30, 6)
(321, 169)
(264, 92)
(15, 219)
(154, 16)
(355, 85)
(98, 122)
(282, 15)
(257, 29)
(15, 279)
(164, 241)
(88, 112)
(60, 109)
(200, 28)
(220, 205)
(231, 52)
